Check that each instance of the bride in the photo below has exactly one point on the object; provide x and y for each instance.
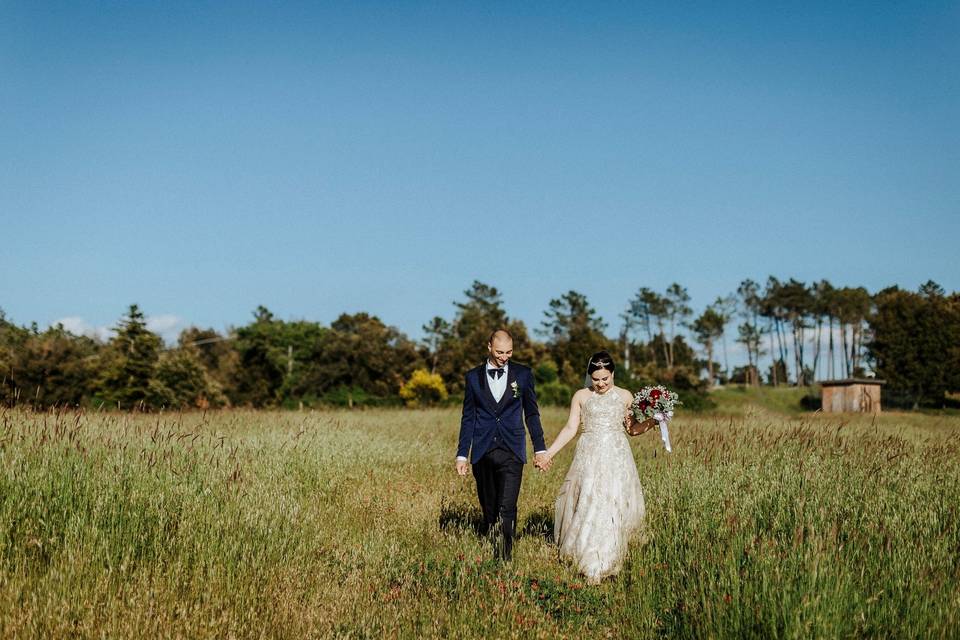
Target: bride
(601, 501)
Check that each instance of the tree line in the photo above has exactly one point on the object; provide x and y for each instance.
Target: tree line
(791, 333)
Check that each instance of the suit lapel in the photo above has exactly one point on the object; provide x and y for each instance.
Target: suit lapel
(508, 392)
(485, 393)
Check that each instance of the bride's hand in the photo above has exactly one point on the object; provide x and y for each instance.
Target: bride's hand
(543, 462)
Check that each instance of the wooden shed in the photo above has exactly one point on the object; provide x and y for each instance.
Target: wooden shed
(855, 395)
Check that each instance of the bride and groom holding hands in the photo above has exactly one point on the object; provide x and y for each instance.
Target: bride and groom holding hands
(600, 504)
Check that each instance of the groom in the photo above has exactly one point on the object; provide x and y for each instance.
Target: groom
(498, 399)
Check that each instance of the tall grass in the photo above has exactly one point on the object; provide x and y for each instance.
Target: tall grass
(339, 524)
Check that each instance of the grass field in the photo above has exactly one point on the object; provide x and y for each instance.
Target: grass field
(338, 524)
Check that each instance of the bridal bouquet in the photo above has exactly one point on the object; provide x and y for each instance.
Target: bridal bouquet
(657, 403)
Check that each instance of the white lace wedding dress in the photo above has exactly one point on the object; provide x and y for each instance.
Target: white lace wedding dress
(601, 501)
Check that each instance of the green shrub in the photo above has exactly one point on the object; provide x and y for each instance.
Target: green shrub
(554, 394)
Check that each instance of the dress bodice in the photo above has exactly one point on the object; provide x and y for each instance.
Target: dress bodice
(603, 413)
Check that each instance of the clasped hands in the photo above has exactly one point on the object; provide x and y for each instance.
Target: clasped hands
(542, 461)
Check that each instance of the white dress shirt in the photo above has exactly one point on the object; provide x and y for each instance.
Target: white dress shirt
(498, 384)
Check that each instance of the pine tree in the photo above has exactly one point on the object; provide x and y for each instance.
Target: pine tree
(129, 362)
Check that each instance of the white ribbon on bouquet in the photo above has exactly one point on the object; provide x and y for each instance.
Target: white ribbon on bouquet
(663, 419)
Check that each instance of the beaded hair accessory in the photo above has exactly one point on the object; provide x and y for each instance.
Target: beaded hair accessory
(602, 363)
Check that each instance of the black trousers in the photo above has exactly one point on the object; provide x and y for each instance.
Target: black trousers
(498, 474)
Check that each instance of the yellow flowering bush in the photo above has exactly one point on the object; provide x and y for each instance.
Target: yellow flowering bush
(423, 389)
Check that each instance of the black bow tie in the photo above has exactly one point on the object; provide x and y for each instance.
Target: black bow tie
(495, 373)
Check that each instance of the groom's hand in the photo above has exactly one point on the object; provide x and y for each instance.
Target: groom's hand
(461, 467)
(542, 462)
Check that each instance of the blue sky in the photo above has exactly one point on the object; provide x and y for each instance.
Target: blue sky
(201, 159)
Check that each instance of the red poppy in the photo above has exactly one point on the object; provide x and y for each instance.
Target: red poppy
(655, 394)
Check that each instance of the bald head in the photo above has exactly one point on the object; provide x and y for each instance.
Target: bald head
(500, 347)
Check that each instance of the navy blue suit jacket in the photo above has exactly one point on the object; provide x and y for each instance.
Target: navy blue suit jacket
(483, 417)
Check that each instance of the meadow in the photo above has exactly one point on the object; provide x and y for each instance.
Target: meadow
(255, 524)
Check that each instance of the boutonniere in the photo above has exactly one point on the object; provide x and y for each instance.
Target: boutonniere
(516, 389)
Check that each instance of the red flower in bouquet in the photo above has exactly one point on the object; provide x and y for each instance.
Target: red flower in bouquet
(655, 394)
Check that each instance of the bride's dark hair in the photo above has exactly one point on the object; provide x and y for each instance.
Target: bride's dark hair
(601, 360)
